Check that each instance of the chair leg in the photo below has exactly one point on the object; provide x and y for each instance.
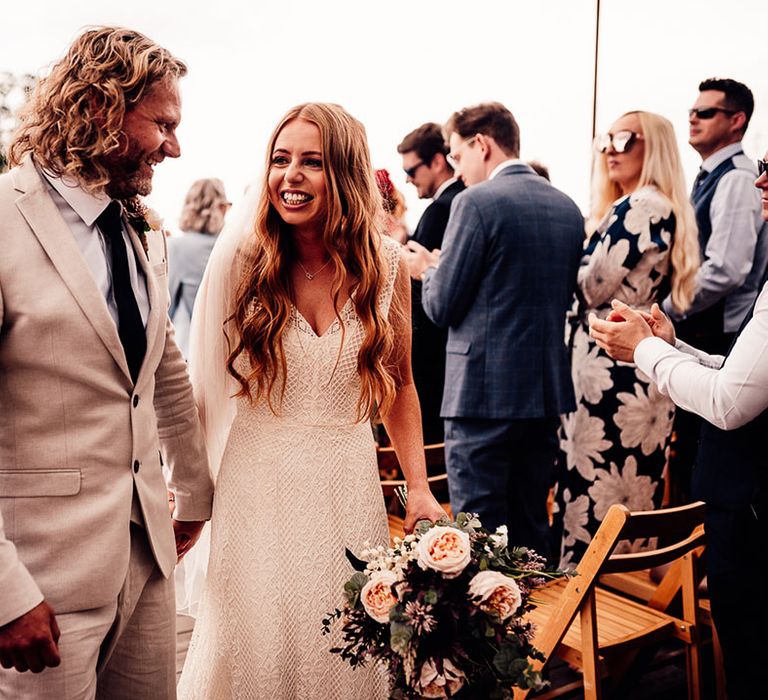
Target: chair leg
(589, 648)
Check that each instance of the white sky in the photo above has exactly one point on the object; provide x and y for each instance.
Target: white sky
(397, 64)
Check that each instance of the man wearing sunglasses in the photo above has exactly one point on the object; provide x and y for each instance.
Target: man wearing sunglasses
(426, 167)
(502, 285)
(734, 245)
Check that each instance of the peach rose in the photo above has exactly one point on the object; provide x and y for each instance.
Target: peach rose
(437, 685)
(378, 597)
(499, 594)
(444, 549)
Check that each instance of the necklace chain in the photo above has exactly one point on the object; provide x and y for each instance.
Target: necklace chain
(311, 275)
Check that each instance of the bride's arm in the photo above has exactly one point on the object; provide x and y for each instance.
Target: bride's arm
(403, 422)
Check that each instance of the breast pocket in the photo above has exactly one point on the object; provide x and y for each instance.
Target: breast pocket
(37, 483)
(160, 270)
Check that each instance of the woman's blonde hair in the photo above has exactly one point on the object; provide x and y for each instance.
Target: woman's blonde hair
(264, 295)
(204, 207)
(75, 115)
(662, 169)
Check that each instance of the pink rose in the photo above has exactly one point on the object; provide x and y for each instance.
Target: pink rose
(498, 594)
(433, 684)
(444, 549)
(377, 595)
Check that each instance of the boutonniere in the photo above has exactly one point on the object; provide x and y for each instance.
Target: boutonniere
(143, 219)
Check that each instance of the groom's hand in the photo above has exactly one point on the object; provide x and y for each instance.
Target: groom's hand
(30, 642)
(186, 533)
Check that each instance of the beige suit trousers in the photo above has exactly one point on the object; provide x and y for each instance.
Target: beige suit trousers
(122, 651)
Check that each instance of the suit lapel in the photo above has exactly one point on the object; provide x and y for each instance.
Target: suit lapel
(52, 232)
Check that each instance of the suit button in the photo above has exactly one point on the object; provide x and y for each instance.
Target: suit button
(135, 401)
(136, 466)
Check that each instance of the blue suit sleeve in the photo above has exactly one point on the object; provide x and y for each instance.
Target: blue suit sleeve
(449, 290)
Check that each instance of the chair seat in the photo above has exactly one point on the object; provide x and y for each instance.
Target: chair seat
(621, 623)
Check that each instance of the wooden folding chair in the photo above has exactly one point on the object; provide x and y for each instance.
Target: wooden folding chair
(602, 632)
(391, 477)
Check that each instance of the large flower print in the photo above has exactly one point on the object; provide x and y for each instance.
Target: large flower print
(624, 487)
(591, 370)
(644, 419)
(584, 441)
(601, 276)
(647, 207)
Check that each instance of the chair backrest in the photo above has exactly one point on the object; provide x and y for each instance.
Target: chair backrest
(620, 524)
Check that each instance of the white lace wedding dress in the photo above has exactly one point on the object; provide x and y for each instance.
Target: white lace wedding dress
(293, 492)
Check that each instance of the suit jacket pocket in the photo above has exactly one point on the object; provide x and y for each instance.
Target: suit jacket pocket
(458, 347)
(31, 483)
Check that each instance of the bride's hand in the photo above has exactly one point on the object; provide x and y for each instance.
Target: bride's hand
(421, 505)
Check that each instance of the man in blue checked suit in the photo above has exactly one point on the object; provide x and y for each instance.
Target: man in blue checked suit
(501, 285)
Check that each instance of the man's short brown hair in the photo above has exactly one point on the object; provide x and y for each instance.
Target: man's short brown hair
(490, 119)
(427, 141)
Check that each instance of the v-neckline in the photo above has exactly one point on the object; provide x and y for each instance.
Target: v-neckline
(330, 325)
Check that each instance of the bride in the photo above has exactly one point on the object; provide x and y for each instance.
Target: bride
(314, 307)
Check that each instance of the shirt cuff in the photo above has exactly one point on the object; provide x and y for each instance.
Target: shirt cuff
(647, 354)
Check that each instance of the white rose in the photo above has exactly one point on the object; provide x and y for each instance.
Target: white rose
(500, 538)
(498, 594)
(437, 685)
(153, 219)
(444, 549)
(378, 597)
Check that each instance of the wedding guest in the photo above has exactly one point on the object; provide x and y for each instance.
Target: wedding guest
(501, 285)
(394, 208)
(95, 395)
(301, 333)
(642, 246)
(202, 218)
(732, 238)
(426, 167)
(731, 394)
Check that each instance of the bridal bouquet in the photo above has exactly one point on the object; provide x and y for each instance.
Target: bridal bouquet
(443, 611)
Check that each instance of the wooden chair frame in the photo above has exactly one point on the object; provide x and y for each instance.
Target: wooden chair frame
(598, 636)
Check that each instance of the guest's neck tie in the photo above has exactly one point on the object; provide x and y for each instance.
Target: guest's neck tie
(130, 326)
(697, 183)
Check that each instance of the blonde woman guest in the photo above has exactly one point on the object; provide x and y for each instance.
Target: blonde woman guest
(642, 246)
(315, 307)
(202, 219)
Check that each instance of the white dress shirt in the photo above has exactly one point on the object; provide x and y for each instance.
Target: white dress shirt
(727, 394)
(443, 187)
(735, 215)
(79, 209)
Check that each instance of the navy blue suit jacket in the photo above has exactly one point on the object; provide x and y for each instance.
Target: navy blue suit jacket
(506, 277)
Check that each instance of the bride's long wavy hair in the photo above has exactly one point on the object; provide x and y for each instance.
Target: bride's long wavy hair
(263, 297)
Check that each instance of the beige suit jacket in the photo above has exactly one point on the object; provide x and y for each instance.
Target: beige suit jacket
(77, 438)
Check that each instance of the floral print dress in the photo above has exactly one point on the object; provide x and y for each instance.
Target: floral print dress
(615, 445)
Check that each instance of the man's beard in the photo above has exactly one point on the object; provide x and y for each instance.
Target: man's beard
(130, 175)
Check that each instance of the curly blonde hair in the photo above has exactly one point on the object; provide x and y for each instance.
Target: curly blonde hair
(75, 115)
(263, 298)
(203, 211)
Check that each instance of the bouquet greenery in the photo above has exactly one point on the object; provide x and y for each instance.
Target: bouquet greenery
(443, 611)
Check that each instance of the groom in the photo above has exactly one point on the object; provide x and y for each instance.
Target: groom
(94, 393)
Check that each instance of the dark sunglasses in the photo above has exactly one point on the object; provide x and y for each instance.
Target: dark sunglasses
(622, 141)
(708, 112)
(410, 172)
(762, 167)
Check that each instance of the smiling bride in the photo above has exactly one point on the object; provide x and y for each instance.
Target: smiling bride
(304, 319)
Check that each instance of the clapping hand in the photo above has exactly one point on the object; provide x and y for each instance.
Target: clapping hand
(418, 258)
(624, 328)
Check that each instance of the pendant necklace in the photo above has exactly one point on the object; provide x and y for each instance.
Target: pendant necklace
(311, 275)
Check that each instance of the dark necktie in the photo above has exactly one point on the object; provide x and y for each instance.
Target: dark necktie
(699, 181)
(130, 326)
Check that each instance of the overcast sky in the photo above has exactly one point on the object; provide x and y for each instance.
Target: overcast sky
(397, 64)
